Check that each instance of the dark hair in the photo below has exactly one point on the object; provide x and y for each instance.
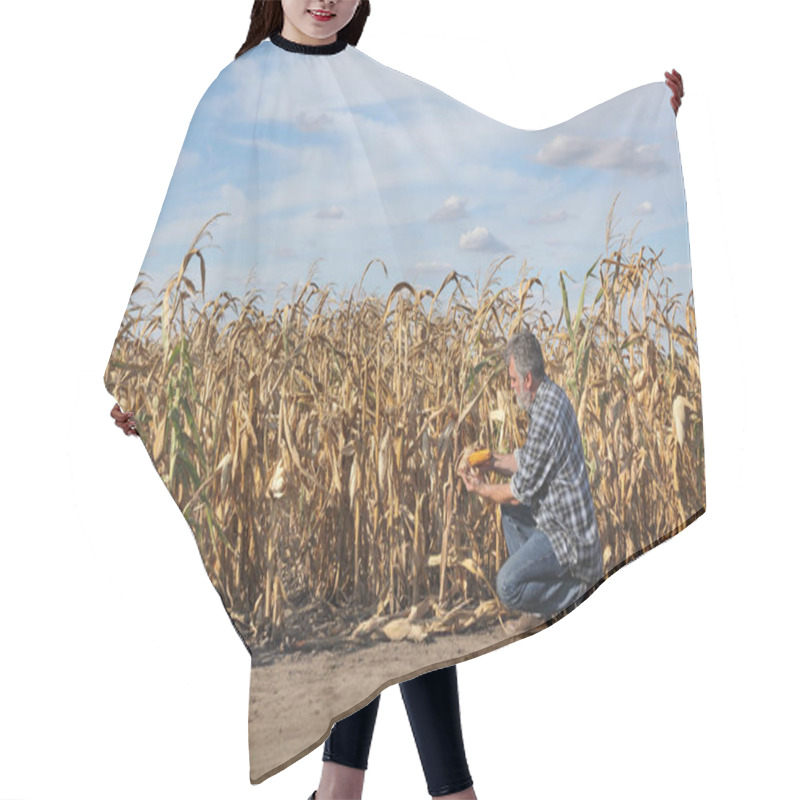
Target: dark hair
(526, 351)
(266, 18)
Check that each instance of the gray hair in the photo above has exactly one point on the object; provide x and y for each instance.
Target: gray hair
(526, 351)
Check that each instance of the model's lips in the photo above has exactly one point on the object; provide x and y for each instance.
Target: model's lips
(321, 14)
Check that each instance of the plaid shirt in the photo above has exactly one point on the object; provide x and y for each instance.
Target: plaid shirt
(551, 477)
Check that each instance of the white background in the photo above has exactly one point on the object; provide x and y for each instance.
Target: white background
(120, 673)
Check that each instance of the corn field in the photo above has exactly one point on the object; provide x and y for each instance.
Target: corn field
(314, 449)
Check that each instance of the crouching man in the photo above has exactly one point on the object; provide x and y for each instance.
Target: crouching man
(547, 510)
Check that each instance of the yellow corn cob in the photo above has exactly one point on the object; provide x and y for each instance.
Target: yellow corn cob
(478, 457)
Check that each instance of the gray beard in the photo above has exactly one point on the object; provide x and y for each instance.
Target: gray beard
(525, 401)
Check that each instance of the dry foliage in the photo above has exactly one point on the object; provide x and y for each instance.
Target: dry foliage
(314, 449)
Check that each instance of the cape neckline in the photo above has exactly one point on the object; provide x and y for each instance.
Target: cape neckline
(308, 49)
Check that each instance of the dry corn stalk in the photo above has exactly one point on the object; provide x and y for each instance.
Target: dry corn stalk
(360, 407)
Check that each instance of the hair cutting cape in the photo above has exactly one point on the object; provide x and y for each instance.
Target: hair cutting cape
(315, 345)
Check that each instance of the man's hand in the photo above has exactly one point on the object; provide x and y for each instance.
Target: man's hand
(485, 466)
(502, 463)
(496, 492)
(472, 482)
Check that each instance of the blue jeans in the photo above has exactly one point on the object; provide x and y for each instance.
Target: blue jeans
(532, 579)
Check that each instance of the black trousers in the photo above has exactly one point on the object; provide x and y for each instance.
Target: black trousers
(431, 701)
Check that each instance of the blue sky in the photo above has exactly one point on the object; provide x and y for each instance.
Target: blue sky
(339, 159)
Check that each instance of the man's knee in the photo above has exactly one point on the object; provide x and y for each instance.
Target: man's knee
(509, 590)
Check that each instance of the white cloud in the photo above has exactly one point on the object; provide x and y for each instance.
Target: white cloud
(307, 121)
(613, 154)
(550, 218)
(331, 212)
(478, 239)
(454, 208)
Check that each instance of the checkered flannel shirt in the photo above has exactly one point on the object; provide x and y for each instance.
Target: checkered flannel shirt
(551, 477)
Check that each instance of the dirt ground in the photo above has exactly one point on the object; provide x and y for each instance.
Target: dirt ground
(296, 697)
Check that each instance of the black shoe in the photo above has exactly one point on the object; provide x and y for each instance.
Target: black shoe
(313, 795)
